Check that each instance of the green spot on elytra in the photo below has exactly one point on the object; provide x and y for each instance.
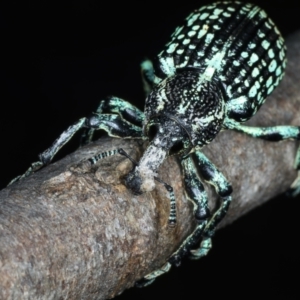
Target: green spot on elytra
(271, 53)
(226, 14)
(203, 16)
(254, 58)
(255, 72)
(191, 33)
(272, 66)
(278, 71)
(244, 54)
(265, 44)
(252, 91)
(186, 41)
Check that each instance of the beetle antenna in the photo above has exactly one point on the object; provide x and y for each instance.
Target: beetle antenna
(124, 153)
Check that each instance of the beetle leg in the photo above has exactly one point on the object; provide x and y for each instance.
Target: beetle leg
(118, 106)
(148, 279)
(114, 125)
(148, 76)
(223, 188)
(274, 134)
(196, 193)
(46, 156)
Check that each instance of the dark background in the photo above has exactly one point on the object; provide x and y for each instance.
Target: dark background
(58, 60)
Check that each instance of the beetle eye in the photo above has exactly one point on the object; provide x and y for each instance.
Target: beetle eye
(176, 148)
(152, 132)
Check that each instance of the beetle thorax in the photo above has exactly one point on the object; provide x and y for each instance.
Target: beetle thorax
(197, 104)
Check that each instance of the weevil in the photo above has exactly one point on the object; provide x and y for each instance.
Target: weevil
(213, 75)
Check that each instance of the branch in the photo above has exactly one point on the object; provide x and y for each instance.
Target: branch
(74, 231)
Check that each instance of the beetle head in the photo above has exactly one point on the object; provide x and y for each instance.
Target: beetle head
(166, 137)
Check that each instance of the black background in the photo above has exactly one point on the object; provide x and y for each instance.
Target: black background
(59, 59)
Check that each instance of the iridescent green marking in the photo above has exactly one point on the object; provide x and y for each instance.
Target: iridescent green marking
(202, 32)
(272, 66)
(255, 72)
(192, 19)
(172, 48)
(203, 16)
(265, 44)
(271, 53)
(245, 54)
(254, 58)
(226, 14)
(278, 71)
(191, 33)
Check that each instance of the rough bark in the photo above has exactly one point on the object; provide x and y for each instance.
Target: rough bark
(72, 231)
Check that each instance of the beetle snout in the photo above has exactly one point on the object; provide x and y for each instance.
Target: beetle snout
(133, 182)
(140, 180)
(167, 134)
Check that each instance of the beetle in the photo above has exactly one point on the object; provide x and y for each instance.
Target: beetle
(213, 75)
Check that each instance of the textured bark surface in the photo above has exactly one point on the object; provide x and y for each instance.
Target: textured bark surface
(72, 231)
